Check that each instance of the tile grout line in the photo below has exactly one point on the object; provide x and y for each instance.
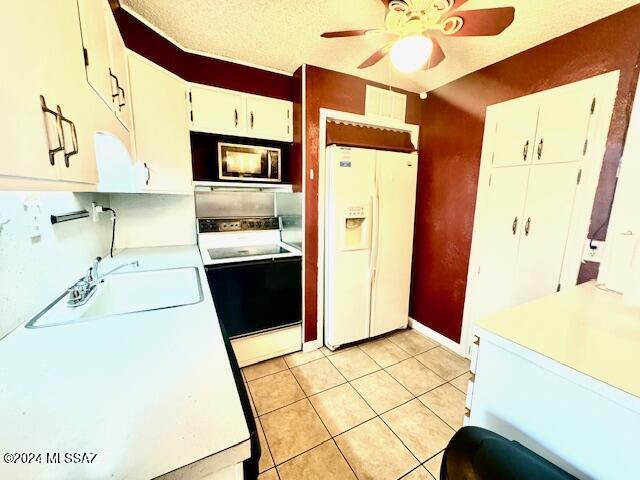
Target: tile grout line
(380, 415)
(349, 382)
(264, 435)
(331, 437)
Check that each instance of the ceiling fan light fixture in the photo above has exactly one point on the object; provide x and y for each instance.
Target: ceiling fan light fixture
(410, 54)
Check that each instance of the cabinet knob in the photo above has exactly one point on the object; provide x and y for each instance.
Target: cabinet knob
(514, 226)
(236, 116)
(525, 151)
(251, 119)
(527, 227)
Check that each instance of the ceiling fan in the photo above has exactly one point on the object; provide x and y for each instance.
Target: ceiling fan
(416, 24)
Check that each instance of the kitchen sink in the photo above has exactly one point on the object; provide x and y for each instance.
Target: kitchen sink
(124, 293)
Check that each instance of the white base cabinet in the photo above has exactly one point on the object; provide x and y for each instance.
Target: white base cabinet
(582, 425)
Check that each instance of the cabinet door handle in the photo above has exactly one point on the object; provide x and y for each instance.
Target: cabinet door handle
(148, 174)
(540, 148)
(252, 120)
(527, 227)
(74, 139)
(525, 151)
(122, 99)
(117, 89)
(60, 147)
(514, 226)
(235, 110)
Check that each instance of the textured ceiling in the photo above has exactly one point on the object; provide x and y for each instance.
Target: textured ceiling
(284, 34)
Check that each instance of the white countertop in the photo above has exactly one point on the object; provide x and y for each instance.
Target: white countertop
(585, 328)
(147, 392)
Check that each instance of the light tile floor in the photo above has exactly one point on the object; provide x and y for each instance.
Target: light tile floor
(384, 409)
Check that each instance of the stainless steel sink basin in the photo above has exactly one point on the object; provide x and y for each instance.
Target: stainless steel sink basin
(124, 293)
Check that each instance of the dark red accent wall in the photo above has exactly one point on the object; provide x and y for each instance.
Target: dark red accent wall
(451, 142)
(199, 68)
(336, 91)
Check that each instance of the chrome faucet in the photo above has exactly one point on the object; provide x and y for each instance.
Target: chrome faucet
(83, 290)
(100, 278)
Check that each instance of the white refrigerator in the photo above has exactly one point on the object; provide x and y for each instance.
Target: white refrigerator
(369, 214)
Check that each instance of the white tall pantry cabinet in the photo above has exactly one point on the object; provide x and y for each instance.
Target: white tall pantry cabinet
(536, 146)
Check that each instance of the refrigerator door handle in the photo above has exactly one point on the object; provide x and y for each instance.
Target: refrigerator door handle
(372, 235)
(375, 247)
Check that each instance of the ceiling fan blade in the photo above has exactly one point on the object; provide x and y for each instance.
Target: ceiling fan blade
(458, 4)
(437, 56)
(486, 22)
(376, 57)
(347, 33)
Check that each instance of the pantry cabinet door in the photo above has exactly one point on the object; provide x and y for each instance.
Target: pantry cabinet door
(269, 118)
(161, 128)
(514, 132)
(548, 210)
(501, 228)
(215, 110)
(563, 125)
(95, 39)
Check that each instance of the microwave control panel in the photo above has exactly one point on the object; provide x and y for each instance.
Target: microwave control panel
(206, 225)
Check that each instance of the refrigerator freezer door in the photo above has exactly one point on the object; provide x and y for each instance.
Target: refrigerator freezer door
(396, 186)
(348, 244)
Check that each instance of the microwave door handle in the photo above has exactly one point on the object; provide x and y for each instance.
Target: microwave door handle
(268, 166)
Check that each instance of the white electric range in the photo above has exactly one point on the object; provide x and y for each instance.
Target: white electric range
(256, 284)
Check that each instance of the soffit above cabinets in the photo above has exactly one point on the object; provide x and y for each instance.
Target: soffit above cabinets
(285, 34)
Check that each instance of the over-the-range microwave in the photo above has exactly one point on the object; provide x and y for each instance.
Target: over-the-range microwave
(249, 163)
(218, 158)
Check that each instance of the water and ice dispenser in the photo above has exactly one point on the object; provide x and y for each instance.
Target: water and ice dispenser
(356, 228)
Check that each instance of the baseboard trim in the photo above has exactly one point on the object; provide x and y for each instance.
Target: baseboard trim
(312, 345)
(433, 335)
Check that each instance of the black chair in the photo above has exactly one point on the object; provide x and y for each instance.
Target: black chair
(476, 453)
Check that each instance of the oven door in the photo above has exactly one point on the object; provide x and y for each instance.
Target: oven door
(249, 163)
(257, 296)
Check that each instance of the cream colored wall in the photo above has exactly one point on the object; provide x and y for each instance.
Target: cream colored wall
(154, 220)
(35, 271)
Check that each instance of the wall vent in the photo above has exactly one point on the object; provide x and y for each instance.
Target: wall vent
(385, 103)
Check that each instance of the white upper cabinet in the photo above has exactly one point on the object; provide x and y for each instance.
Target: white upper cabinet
(120, 73)
(515, 132)
(24, 130)
(269, 118)
(216, 110)
(563, 126)
(104, 55)
(45, 98)
(95, 40)
(161, 127)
